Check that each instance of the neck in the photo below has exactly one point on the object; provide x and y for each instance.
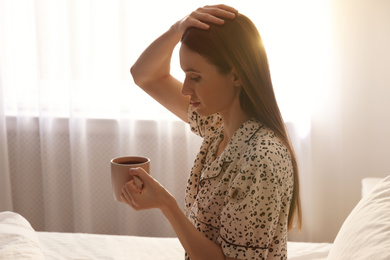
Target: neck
(232, 121)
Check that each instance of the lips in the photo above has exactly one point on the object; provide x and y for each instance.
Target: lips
(195, 104)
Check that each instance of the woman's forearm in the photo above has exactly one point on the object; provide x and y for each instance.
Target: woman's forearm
(151, 73)
(154, 62)
(195, 243)
(154, 195)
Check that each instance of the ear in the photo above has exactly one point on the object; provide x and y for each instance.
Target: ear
(235, 79)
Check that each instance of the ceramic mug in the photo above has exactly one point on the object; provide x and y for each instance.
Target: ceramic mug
(120, 172)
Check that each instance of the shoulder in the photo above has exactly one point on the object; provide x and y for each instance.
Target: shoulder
(264, 142)
(265, 153)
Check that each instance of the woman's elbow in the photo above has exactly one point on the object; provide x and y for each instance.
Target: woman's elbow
(133, 72)
(136, 74)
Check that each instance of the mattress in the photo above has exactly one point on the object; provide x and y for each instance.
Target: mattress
(18, 240)
(92, 246)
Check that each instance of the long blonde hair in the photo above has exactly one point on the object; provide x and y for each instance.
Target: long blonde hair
(237, 44)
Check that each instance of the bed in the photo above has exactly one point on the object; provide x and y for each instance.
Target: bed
(365, 234)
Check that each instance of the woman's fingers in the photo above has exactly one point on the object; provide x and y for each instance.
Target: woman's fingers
(221, 11)
(126, 200)
(128, 191)
(212, 14)
(152, 194)
(140, 176)
(138, 182)
(203, 16)
(227, 8)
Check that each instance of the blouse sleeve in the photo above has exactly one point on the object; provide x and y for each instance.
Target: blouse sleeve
(203, 125)
(257, 207)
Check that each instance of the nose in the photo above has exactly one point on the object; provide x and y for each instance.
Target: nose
(187, 89)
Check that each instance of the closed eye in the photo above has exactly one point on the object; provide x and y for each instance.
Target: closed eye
(192, 75)
(195, 78)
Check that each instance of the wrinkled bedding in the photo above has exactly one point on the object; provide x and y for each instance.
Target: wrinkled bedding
(18, 240)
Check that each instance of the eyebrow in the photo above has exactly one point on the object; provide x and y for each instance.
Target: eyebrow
(191, 70)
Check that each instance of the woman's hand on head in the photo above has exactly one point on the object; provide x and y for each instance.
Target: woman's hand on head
(203, 16)
(151, 195)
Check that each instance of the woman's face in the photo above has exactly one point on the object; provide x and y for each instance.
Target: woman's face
(209, 90)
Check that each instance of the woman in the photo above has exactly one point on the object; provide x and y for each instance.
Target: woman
(243, 189)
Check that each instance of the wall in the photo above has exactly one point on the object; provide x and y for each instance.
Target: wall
(350, 133)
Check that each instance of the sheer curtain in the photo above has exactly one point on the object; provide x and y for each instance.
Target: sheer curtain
(68, 105)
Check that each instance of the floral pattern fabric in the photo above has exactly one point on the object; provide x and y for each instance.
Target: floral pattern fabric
(241, 199)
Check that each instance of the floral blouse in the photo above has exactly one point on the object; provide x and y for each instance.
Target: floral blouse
(241, 199)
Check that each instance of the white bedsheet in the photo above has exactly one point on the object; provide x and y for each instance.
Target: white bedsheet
(65, 246)
(308, 251)
(18, 240)
(92, 246)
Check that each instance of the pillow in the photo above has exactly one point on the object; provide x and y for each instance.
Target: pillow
(368, 184)
(365, 234)
(18, 239)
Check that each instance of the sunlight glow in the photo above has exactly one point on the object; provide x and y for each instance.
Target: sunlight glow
(297, 36)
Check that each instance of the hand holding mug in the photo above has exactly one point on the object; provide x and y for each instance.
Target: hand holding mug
(152, 194)
(120, 172)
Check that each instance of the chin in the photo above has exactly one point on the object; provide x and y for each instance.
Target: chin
(203, 112)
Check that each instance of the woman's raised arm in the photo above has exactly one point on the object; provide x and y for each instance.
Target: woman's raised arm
(151, 71)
